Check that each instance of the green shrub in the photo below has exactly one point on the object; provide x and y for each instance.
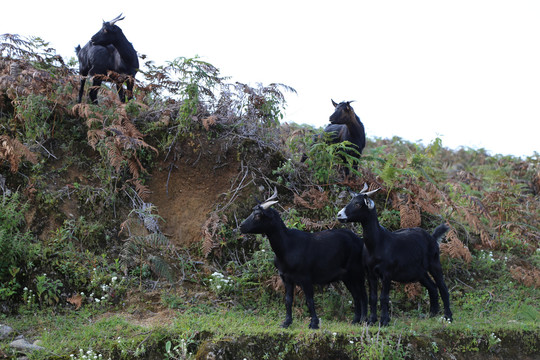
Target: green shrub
(17, 249)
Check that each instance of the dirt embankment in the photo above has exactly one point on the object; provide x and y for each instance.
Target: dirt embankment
(187, 194)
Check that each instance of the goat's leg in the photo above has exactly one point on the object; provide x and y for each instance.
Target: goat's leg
(358, 292)
(373, 283)
(130, 83)
(120, 91)
(308, 292)
(436, 272)
(96, 83)
(81, 89)
(385, 299)
(289, 297)
(433, 295)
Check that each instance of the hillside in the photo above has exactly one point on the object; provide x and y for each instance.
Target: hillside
(119, 223)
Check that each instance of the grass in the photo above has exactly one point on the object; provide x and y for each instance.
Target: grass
(480, 318)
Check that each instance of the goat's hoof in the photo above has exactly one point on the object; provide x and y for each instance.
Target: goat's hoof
(314, 324)
(286, 324)
(385, 322)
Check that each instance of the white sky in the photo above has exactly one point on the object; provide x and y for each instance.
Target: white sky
(467, 71)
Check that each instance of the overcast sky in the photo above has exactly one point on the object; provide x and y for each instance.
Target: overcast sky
(467, 71)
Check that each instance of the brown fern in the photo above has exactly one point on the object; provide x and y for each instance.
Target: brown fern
(528, 277)
(409, 215)
(209, 230)
(311, 199)
(210, 121)
(413, 290)
(454, 248)
(120, 138)
(12, 150)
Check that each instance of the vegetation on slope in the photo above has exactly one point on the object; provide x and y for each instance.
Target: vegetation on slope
(84, 251)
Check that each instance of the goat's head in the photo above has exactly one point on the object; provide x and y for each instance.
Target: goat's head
(359, 208)
(261, 219)
(343, 113)
(109, 32)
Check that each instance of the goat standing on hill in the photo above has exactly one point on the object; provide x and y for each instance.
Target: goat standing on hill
(346, 126)
(108, 50)
(406, 255)
(306, 259)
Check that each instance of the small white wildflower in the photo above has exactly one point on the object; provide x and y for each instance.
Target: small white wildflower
(97, 300)
(350, 341)
(25, 289)
(114, 278)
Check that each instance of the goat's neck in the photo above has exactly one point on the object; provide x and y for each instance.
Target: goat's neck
(278, 238)
(126, 50)
(354, 127)
(372, 231)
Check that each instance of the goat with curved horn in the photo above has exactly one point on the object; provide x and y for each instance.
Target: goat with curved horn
(108, 52)
(306, 259)
(406, 255)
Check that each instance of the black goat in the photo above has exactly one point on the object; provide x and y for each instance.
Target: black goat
(306, 259)
(346, 126)
(406, 255)
(108, 50)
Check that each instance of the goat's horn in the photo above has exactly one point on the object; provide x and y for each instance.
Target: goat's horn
(118, 18)
(363, 192)
(371, 192)
(274, 195)
(267, 204)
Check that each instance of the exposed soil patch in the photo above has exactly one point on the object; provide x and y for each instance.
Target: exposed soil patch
(191, 192)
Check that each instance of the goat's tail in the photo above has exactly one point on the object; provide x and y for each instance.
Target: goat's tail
(439, 232)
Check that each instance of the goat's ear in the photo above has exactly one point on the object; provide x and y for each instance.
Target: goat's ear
(334, 103)
(369, 203)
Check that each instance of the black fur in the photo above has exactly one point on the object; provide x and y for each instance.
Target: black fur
(406, 255)
(305, 259)
(108, 50)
